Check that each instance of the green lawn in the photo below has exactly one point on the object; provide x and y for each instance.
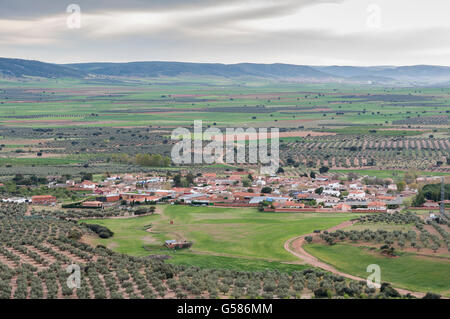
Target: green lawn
(129, 234)
(406, 271)
(220, 262)
(216, 232)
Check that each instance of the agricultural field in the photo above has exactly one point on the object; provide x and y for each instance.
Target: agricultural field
(86, 123)
(36, 250)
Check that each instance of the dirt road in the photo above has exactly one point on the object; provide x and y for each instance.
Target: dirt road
(295, 247)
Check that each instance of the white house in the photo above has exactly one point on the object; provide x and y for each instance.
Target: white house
(355, 186)
(331, 192)
(334, 186)
(392, 187)
(356, 195)
(16, 200)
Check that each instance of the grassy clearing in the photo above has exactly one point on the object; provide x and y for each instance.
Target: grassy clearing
(220, 262)
(37, 161)
(406, 271)
(216, 232)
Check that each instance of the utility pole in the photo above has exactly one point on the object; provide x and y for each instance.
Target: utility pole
(442, 208)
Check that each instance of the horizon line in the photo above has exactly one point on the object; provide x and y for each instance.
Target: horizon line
(222, 63)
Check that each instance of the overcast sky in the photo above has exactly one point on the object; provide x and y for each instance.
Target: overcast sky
(314, 32)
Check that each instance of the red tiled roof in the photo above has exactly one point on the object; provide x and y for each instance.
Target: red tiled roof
(42, 197)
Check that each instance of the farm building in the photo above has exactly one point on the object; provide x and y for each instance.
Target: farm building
(92, 204)
(109, 198)
(43, 200)
(173, 244)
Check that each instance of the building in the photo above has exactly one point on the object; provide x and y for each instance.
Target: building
(173, 244)
(356, 195)
(88, 185)
(15, 200)
(376, 206)
(244, 196)
(430, 204)
(331, 192)
(43, 200)
(342, 207)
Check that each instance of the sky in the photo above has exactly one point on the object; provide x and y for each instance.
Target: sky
(307, 32)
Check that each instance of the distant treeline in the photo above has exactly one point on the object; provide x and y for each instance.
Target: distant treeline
(150, 160)
(431, 192)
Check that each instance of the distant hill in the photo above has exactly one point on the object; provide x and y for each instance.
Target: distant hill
(417, 74)
(17, 68)
(155, 69)
(414, 73)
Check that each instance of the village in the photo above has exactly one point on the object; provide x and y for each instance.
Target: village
(240, 188)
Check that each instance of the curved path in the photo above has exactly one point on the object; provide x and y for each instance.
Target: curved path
(295, 247)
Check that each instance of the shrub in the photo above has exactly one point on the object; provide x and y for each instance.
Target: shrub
(100, 230)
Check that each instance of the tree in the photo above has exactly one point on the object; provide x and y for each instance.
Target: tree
(190, 178)
(418, 200)
(387, 290)
(74, 234)
(401, 186)
(431, 295)
(410, 176)
(312, 175)
(319, 190)
(266, 190)
(86, 177)
(177, 180)
(324, 169)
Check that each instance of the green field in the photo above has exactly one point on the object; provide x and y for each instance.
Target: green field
(212, 100)
(406, 271)
(394, 174)
(243, 234)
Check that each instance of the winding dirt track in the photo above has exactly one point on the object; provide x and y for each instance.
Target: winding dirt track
(295, 247)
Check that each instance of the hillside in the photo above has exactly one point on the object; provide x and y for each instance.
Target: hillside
(156, 69)
(17, 68)
(418, 74)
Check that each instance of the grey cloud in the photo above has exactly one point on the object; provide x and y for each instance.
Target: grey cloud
(197, 37)
(20, 9)
(299, 47)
